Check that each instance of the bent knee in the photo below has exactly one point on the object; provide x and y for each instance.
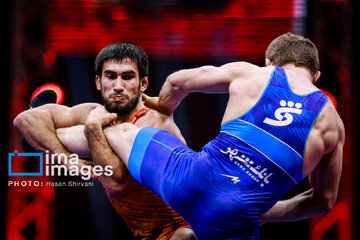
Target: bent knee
(184, 234)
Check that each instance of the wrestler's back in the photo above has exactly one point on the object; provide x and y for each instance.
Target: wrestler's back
(243, 95)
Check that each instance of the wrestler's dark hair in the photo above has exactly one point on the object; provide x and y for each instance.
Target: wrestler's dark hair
(291, 48)
(119, 51)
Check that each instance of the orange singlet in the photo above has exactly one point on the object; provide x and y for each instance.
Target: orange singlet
(139, 114)
(144, 212)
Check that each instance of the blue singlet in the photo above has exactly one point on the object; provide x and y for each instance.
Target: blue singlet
(223, 190)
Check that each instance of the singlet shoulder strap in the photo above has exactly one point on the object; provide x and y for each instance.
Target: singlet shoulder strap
(139, 114)
(279, 78)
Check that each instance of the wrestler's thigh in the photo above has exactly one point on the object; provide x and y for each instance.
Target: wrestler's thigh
(121, 139)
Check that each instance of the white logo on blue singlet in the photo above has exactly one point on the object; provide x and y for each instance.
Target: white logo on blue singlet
(233, 178)
(255, 171)
(287, 118)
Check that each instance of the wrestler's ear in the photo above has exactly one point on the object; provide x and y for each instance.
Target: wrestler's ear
(268, 62)
(317, 76)
(98, 82)
(144, 82)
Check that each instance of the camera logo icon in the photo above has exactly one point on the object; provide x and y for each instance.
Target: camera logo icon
(15, 154)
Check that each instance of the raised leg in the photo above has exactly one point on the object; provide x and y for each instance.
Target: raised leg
(121, 139)
(73, 138)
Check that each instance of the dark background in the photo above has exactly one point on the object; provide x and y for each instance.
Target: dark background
(70, 33)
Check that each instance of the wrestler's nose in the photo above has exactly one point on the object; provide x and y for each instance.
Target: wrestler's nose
(118, 85)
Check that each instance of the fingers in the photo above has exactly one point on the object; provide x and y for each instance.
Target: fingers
(144, 97)
(151, 102)
(100, 116)
(108, 118)
(154, 103)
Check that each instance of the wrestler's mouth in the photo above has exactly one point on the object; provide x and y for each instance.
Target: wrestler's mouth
(118, 97)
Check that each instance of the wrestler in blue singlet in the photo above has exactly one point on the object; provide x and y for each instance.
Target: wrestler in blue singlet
(223, 190)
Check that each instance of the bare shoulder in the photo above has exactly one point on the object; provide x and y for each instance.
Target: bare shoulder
(238, 69)
(326, 135)
(240, 64)
(331, 127)
(158, 120)
(155, 119)
(250, 80)
(247, 72)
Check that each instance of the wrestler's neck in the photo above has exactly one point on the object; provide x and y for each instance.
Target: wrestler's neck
(301, 72)
(127, 117)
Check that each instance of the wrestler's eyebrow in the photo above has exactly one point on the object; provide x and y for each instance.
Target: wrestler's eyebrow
(114, 72)
(129, 72)
(109, 72)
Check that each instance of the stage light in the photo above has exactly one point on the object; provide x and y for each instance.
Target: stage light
(51, 86)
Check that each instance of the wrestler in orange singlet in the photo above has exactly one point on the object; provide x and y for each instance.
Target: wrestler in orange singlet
(121, 76)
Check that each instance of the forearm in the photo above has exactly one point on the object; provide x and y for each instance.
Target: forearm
(171, 95)
(102, 154)
(303, 206)
(37, 126)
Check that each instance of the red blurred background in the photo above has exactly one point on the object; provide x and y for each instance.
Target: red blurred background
(57, 41)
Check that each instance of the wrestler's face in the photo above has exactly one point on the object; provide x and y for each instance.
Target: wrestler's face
(120, 86)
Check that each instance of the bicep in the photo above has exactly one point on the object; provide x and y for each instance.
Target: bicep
(210, 79)
(64, 116)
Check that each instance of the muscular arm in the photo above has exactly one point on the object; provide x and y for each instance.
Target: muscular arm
(120, 182)
(206, 79)
(89, 140)
(324, 181)
(39, 125)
